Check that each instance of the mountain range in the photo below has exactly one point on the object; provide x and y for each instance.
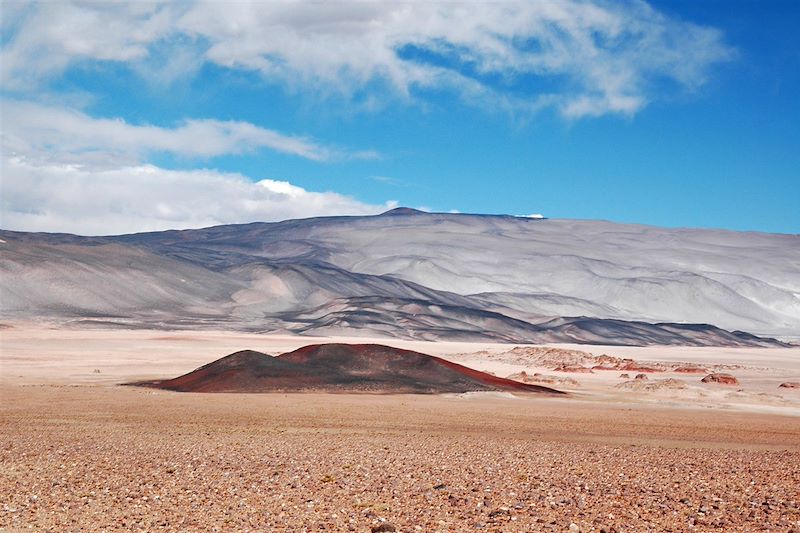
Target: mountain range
(411, 274)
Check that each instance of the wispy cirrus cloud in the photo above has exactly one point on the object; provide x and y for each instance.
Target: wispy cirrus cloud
(63, 133)
(582, 58)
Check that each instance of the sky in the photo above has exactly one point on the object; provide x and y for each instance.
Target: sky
(142, 116)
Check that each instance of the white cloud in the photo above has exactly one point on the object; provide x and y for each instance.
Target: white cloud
(388, 180)
(33, 128)
(64, 171)
(592, 58)
(51, 35)
(72, 198)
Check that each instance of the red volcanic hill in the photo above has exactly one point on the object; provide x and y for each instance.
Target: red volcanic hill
(340, 368)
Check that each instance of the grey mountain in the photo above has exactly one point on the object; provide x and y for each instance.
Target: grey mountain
(419, 275)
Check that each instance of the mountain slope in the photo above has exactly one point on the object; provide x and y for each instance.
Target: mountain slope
(736, 280)
(419, 275)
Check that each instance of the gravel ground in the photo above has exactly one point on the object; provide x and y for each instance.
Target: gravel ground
(99, 458)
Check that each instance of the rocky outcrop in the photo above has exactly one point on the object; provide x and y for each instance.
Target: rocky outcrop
(524, 377)
(633, 366)
(652, 386)
(722, 379)
(690, 370)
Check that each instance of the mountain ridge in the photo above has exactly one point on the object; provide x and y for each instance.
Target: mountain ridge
(509, 273)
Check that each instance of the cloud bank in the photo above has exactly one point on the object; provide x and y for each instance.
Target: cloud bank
(71, 198)
(582, 58)
(29, 127)
(64, 170)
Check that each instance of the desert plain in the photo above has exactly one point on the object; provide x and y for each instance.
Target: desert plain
(81, 452)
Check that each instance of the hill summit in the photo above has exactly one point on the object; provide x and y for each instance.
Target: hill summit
(340, 368)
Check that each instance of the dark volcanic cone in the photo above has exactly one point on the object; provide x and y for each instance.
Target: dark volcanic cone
(340, 368)
(244, 371)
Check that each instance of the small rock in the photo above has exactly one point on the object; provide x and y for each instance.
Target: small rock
(634, 367)
(574, 528)
(641, 377)
(690, 370)
(574, 369)
(722, 379)
(381, 528)
(790, 385)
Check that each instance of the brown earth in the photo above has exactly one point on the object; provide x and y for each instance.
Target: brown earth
(101, 458)
(337, 367)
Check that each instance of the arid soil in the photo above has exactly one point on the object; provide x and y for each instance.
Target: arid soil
(80, 453)
(101, 458)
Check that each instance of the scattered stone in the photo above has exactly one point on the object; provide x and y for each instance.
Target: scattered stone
(722, 379)
(640, 377)
(636, 367)
(790, 385)
(574, 369)
(625, 376)
(524, 377)
(261, 466)
(657, 385)
(691, 370)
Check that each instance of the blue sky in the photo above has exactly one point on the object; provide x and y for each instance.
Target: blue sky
(130, 117)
